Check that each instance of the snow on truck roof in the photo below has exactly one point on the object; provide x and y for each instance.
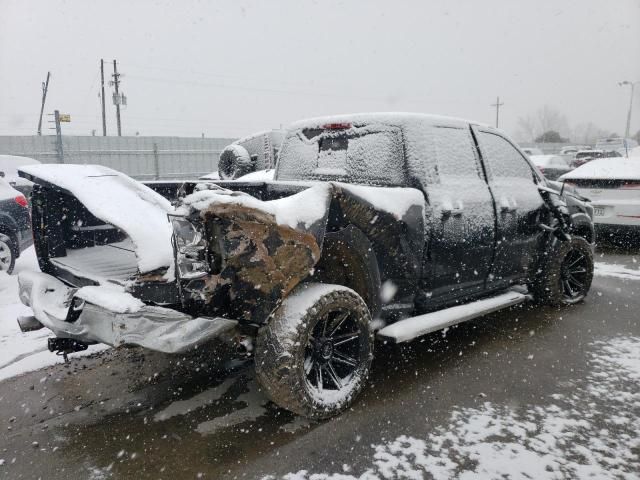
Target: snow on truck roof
(615, 168)
(389, 118)
(119, 200)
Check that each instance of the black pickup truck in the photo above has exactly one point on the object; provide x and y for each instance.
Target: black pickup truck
(387, 225)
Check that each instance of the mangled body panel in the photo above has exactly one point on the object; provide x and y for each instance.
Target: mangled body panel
(258, 251)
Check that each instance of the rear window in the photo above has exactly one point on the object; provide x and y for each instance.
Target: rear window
(371, 154)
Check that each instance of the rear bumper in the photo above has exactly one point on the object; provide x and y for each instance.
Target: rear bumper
(156, 328)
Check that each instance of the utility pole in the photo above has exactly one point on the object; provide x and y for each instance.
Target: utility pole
(116, 97)
(104, 118)
(45, 87)
(633, 84)
(497, 105)
(56, 119)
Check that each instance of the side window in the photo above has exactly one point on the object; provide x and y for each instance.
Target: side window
(455, 153)
(502, 158)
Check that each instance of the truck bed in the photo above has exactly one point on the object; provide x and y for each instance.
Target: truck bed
(114, 262)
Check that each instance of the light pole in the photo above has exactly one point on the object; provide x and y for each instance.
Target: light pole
(633, 84)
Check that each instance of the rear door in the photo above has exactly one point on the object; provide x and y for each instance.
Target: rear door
(519, 207)
(462, 228)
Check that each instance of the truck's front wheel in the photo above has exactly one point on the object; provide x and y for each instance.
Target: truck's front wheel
(314, 354)
(566, 274)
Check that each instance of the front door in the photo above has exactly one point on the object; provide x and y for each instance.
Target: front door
(519, 207)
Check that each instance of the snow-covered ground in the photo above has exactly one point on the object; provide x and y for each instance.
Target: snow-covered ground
(615, 270)
(590, 430)
(22, 352)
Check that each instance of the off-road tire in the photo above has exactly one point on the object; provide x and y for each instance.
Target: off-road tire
(283, 343)
(7, 247)
(547, 288)
(235, 162)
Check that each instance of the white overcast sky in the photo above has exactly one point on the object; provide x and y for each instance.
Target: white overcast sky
(227, 68)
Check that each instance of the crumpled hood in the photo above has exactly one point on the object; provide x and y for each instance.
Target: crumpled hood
(120, 201)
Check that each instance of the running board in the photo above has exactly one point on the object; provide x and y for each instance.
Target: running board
(410, 328)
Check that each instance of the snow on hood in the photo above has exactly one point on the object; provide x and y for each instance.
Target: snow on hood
(300, 210)
(615, 168)
(9, 165)
(121, 201)
(7, 191)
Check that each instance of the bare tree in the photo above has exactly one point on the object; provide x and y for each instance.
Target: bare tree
(544, 119)
(527, 128)
(587, 133)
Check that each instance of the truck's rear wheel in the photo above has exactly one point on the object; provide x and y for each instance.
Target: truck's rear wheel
(314, 354)
(566, 274)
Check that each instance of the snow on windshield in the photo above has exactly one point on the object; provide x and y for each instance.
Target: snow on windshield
(369, 154)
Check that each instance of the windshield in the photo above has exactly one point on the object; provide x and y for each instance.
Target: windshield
(371, 154)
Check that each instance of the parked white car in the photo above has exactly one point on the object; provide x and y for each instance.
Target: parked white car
(613, 186)
(551, 166)
(532, 151)
(573, 149)
(9, 165)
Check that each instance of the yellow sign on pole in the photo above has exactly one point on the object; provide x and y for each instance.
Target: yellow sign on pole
(65, 117)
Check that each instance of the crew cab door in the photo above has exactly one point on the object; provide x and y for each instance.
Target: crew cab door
(518, 204)
(462, 223)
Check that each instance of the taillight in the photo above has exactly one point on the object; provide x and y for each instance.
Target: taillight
(21, 200)
(336, 126)
(541, 169)
(630, 186)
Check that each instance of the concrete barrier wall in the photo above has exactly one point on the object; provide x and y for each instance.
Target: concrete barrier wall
(144, 158)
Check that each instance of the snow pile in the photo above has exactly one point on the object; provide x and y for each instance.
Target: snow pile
(591, 432)
(300, 210)
(259, 176)
(120, 201)
(617, 168)
(211, 176)
(23, 352)
(615, 270)
(110, 297)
